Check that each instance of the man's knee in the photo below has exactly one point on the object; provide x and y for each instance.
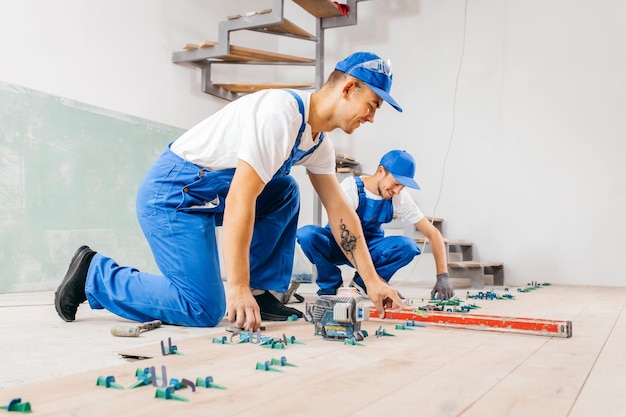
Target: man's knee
(406, 245)
(306, 234)
(286, 185)
(280, 197)
(210, 315)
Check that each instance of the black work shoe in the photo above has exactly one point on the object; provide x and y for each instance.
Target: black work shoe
(274, 310)
(71, 292)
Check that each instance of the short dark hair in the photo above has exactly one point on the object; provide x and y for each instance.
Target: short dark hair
(337, 76)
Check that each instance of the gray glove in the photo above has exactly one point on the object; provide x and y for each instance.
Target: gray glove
(443, 288)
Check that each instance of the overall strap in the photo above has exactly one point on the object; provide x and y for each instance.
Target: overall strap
(360, 210)
(297, 154)
(301, 109)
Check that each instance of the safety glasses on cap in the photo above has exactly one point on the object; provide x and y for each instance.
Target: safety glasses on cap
(378, 65)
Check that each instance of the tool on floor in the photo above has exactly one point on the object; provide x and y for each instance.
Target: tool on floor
(221, 340)
(144, 377)
(17, 405)
(167, 393)
(540, 327)
(266, 366)
(247, 337)
(180, 384)
(154, 378)
(207, 382)
(135, 330)
(108, 382)
(339, 317)
(235, 329)
(170, 349)
(282, 362)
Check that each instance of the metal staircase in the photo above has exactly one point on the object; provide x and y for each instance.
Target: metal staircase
(270, 21)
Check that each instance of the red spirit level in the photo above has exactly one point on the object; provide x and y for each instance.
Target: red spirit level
(541, 327)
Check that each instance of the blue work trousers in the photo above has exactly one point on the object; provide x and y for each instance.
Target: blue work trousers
(179, 205)
(389, 254)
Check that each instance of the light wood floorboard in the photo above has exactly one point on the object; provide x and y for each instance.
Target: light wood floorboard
(430, 371)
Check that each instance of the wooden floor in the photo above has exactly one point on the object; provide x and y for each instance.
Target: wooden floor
(429, 371)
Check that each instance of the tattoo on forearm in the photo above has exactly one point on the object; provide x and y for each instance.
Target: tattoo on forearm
(348, 242)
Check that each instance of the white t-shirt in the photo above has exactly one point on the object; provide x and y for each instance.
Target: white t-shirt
(403, 205)
(261, 129)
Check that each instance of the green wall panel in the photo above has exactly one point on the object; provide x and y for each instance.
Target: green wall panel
(69, 173)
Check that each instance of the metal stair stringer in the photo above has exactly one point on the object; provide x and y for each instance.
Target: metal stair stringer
(207, 55)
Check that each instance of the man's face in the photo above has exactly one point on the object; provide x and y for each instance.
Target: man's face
(388, 186)
(359, 106)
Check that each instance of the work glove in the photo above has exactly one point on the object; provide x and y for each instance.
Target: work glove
(443, 287)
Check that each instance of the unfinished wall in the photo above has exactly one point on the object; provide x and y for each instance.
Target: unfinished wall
(533, 173)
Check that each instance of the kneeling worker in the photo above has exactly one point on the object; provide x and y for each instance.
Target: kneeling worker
(376, 199)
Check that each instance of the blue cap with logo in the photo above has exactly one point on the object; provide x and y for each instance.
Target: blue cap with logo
(373, 71)
(401, 165)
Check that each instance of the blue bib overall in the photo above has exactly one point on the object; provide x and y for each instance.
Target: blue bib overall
(179, 206)
(388, 253)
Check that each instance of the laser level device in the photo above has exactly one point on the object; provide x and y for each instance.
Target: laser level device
(339, 317)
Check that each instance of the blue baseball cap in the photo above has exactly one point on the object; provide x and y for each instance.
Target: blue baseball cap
(373, 71)
(401, 165)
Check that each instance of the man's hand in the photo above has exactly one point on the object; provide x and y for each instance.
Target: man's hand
(384, 296)
(242, 308)
(443, 287)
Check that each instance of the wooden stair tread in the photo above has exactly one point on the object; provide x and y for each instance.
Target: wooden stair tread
(320, 8)
(237, 16)
(474, 264)
(240, 53)
(251, 88)
(287, 27)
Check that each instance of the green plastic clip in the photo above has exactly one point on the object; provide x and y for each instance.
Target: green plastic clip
(274, 345)
(291, 340)
(403, 327)
(168, 394)
(352, 342)
(281, 362)
(169, 349)
(143, 378)
(266, 366)
(17, 405)
(207, 382)
(108, 382)
(221, 340)
(266, 340)
(382, 332)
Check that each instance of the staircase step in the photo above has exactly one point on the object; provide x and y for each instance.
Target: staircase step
(242, 54)
(237, 16)
(286, 28)
(251, 88)
(476, 271)
(320, 8)
(456, 249)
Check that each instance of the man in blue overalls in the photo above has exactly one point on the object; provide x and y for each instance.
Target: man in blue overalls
(377, 199)
(232, 170)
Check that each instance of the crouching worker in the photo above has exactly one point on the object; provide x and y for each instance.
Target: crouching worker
(377, 199)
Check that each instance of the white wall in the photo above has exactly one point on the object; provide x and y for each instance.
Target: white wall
(533, 175)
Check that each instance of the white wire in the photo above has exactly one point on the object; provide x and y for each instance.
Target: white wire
(452, 132)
